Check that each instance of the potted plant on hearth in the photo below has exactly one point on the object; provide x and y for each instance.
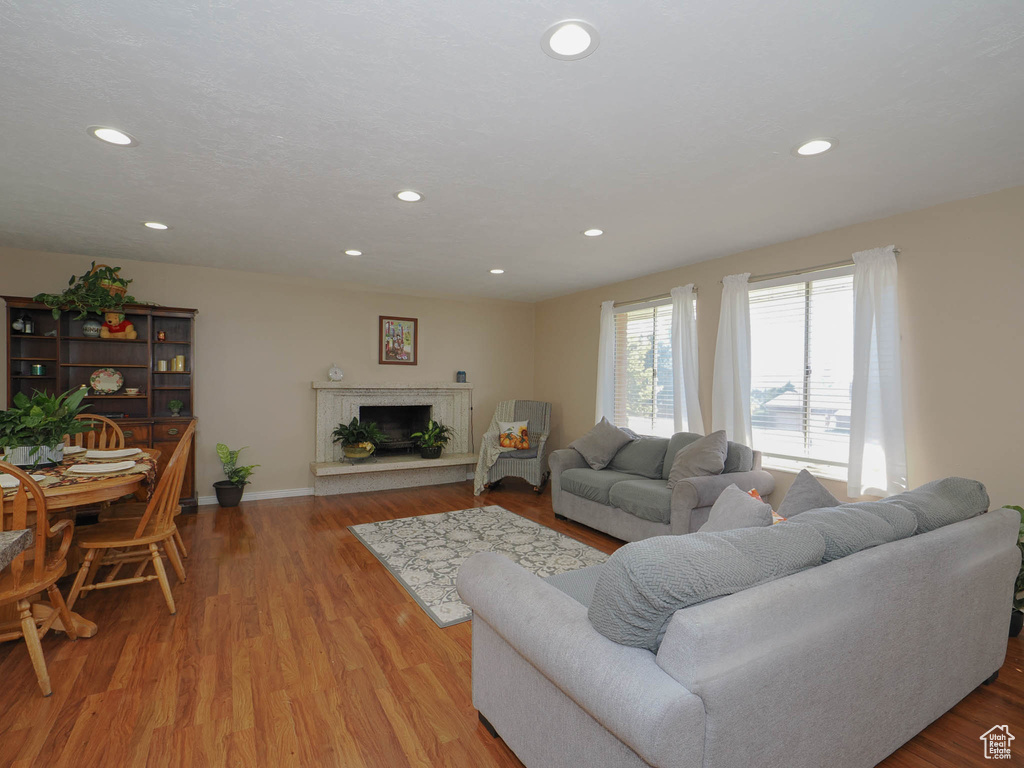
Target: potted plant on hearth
(32, 431)
(229, 492)
(433, 439)
(1017, 617)
(359, 440)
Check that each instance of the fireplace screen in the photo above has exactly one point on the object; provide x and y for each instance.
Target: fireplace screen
(397, 422)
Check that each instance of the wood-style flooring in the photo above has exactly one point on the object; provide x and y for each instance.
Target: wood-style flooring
(293, 646)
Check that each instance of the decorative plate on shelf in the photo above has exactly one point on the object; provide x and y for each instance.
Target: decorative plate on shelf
(106, 381)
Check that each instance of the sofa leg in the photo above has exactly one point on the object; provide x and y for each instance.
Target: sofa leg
(991, 678)
(486, 724)
(560, 517)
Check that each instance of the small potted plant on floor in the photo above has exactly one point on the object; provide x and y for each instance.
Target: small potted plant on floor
(1017, 617)
(229, 492)
(359, 440)
(432, 439)
(32, 431)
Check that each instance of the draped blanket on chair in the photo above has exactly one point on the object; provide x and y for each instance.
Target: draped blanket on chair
(489, 449)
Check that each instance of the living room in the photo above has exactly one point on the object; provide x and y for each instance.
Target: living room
(293, 641)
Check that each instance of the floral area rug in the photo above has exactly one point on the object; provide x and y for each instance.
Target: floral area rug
(424, 553)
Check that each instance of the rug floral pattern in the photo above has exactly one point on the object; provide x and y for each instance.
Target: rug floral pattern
(424, 553)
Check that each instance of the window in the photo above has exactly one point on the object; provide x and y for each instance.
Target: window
(801, 340)
(644, 400)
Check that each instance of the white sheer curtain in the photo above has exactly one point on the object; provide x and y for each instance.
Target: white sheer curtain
(878, 458)
(606, 365)
(730, 399)
(684, 362)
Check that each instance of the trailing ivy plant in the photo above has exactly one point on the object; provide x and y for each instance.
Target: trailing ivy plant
(42, 419)
(229, 459)
(90, 293)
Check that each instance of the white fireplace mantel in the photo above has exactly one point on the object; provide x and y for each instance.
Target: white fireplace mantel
(339, 402)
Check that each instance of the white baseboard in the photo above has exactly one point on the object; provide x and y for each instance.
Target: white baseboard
(284, 493)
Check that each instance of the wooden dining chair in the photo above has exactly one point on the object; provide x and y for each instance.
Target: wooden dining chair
(24, 577)
(122, 541)
(105, 434)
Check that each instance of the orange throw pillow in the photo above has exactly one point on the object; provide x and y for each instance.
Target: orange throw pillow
(513, 435)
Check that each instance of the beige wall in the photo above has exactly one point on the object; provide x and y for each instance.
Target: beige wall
(262, 338)
(961, 282)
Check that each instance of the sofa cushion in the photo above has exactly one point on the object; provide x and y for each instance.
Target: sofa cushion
(852, 527)
(700, 458)
(578, 584)
(643, 456)
(646, 498)
(593, 484)
(943, 502)
(643, 583)
(738, 458)
(734, 509)
(600, 444)
(806, 493)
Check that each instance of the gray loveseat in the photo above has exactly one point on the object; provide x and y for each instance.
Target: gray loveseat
(838, 665)
(630, 500)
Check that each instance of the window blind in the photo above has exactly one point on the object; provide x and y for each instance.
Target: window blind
(644, 400)
(802, 371)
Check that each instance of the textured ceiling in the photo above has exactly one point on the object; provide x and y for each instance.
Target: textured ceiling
(273, 134)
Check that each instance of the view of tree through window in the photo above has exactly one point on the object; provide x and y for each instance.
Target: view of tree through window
(802, 372)
(644, 400)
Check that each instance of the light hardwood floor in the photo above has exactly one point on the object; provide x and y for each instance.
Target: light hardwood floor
(293, 646)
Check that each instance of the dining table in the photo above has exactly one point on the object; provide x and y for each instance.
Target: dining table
(66, 489)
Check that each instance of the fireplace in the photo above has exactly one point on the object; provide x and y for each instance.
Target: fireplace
(397, 422)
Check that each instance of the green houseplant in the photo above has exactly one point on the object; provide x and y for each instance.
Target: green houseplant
(1017, 617)
(99, 290)
(32, 431)
(175, 406)
(359, 440)
(432, 440)
(229, 492)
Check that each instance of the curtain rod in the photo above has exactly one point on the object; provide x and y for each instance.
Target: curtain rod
(802, 270)
(659, 297)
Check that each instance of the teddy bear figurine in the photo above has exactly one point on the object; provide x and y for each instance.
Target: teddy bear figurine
(117, 326)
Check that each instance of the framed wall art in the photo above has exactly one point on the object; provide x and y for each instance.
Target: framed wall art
(399, 341)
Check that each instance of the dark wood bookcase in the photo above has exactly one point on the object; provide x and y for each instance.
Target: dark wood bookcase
(69, 358)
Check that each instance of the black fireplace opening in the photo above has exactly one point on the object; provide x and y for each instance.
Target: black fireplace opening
(397, 422)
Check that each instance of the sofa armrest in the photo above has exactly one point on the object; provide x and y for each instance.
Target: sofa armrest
(623, 688)
(694, 492)
(558, 462)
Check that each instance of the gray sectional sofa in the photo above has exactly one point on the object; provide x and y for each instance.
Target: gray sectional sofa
(838, 664)
(630, 500)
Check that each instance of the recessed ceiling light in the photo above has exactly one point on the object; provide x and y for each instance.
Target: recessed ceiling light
(814, 147)
(353, 252)
(570, 40)
(112, 136)
(154, 225)
(593, 232)
(497, 271)
(409, 196)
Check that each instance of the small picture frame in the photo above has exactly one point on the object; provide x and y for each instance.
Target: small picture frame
(398, 341)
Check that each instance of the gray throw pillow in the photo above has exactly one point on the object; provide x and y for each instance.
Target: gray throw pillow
(643, 583)
(700, 458)
(806, 493)
(644, 456)
(735, 508)
(600, 444)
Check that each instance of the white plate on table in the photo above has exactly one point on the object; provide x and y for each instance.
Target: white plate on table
(10, 481)
(123, 453)
(71, 450)
(100, 469)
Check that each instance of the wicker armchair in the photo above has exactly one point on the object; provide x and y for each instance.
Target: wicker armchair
(531, 464)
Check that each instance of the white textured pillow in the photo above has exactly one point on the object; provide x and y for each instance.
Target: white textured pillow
(736, 509)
